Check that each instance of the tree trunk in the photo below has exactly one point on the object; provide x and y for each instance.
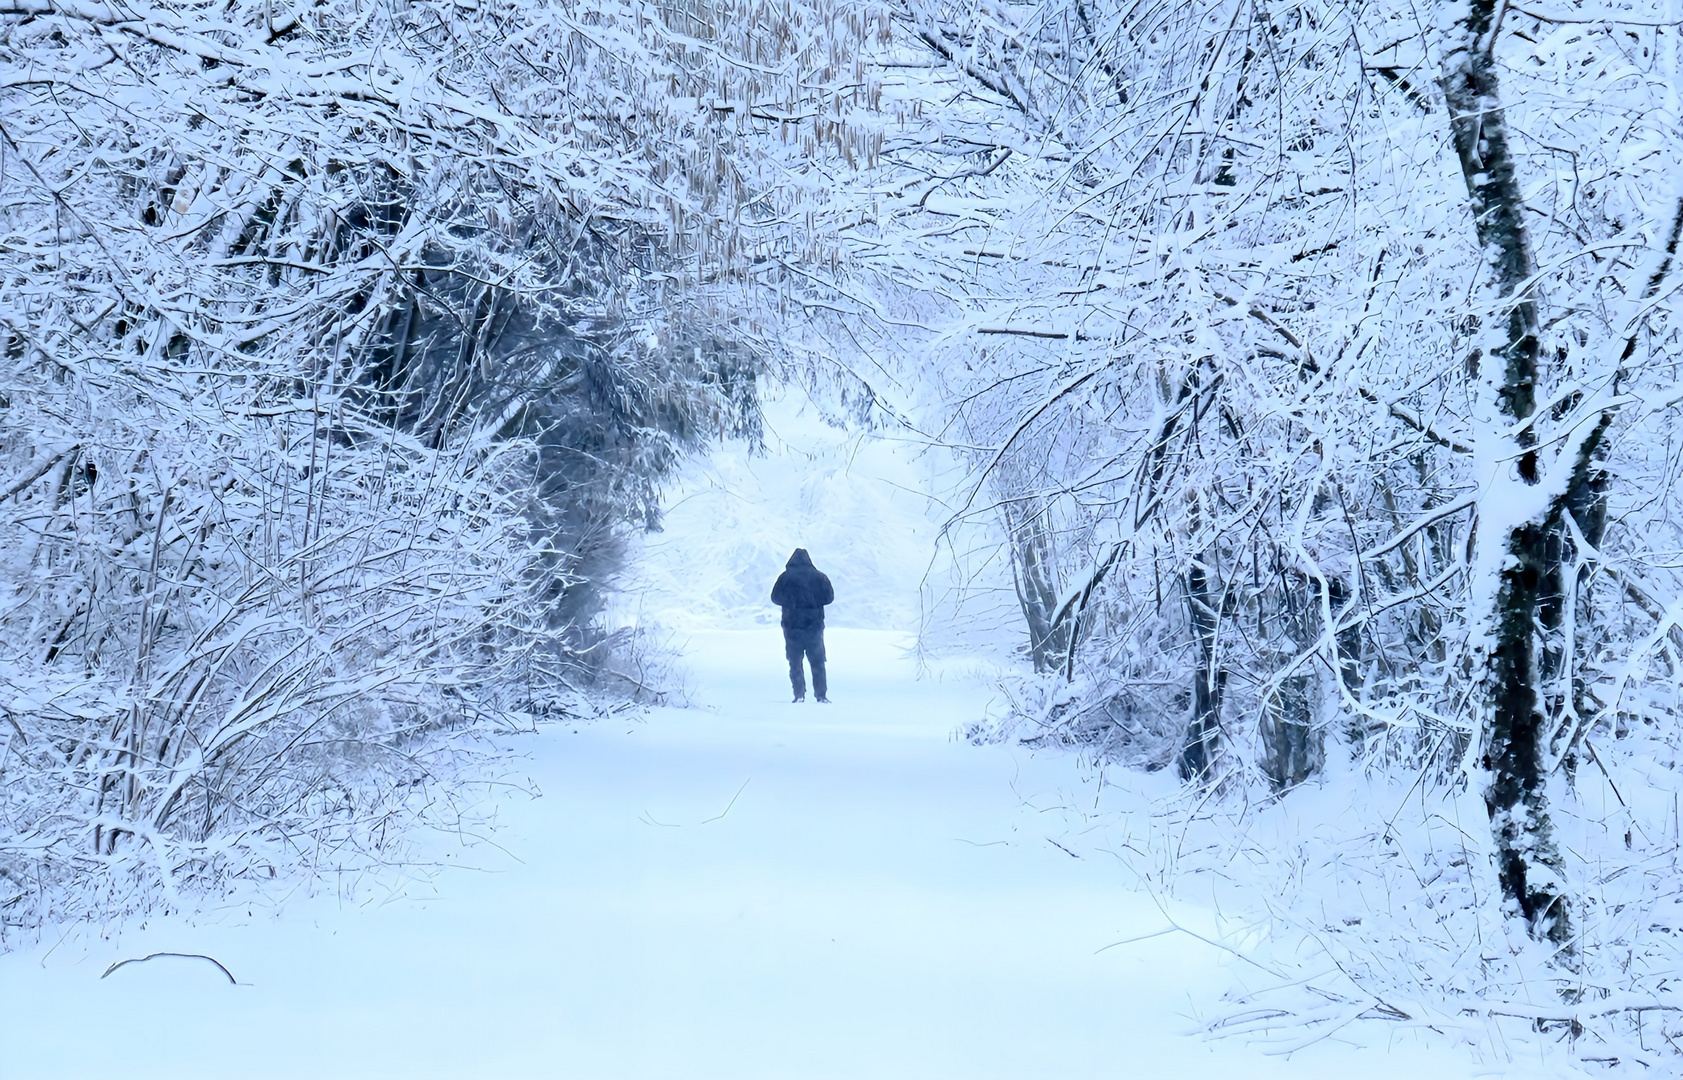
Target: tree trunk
(1566, 592)
(1198, 751)
(1513, 721)
(1292, 749)
(1348, 669)
(1528, 863)
(1034, 572)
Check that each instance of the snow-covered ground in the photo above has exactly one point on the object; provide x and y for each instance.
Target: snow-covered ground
(741, 888)
(757, 889)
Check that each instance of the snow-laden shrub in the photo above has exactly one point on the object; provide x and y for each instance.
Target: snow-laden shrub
(232, 617)
(1365, 905)
(1108, 722)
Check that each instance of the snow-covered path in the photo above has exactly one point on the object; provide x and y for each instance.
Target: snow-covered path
(743, 889)
(756, 890)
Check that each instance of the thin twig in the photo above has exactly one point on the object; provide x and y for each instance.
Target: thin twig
(733, 799)
(182, 955)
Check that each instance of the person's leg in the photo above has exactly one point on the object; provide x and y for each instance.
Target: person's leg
(815, 653)
(797, 675)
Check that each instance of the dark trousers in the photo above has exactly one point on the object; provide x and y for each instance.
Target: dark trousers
(808, 643)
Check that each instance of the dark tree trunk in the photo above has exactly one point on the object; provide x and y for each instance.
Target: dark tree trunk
(1528, 863)
(1292, 749)
(1197, 753)
(1034, 572)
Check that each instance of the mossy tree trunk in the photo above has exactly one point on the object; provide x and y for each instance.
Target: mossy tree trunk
(1520, 548)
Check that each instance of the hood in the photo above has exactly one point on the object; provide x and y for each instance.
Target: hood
(799, 558)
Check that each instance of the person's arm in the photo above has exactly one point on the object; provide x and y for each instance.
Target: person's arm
(829, 594)
(777, 590)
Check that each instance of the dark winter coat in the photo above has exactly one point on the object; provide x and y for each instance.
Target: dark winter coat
(801, 591)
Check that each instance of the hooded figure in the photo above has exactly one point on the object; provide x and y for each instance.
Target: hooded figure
(801, 591)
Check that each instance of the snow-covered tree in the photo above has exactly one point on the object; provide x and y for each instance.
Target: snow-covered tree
(339, 341)
(1325, 381)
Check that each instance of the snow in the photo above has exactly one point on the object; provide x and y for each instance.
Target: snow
(761, 889)
(739, 888)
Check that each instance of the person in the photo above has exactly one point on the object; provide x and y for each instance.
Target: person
(802, 591)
